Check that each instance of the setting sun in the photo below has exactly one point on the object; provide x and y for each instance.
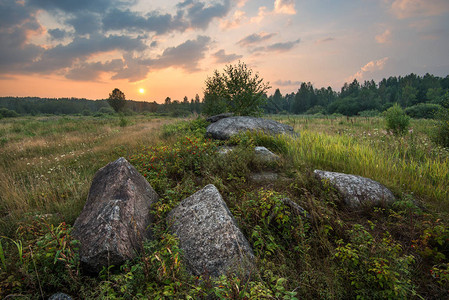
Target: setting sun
(141, 91)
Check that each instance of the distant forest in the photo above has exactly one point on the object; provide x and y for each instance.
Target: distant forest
(420, 96)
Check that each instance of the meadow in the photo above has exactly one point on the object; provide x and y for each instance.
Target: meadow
(401, 252)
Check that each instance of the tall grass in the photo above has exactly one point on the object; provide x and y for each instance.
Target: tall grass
(47, 163)
(410, 164)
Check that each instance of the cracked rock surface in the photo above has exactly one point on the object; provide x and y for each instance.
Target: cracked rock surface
(223, 129)
(209, 237)
(116, 216)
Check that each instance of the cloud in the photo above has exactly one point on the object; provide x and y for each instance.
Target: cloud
(135, 68)
(284, 7)
(278, 47)
(404, 9)
(325, 40)
(92, 71)
(287, 83)
(384, 37)
(64, 56)
(199, 15)
(117, 19)
(186, 55)
(85, 22)
(57, 34)
(260, 15)
(100, 27)
(241, 3)
(255, 38)
(18, 24)
(71, 6)
(372, 66)
(236, 20)
(189, 14)
(221, 57)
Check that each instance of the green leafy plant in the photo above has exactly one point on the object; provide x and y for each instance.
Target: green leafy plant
(396, 120)
(375, 268)
(238, 89)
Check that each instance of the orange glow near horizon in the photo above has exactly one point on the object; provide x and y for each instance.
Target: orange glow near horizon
(159, 85)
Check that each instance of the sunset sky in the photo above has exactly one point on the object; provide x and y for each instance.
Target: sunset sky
(154, 49)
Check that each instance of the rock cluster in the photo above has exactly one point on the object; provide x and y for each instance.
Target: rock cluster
(117, 215)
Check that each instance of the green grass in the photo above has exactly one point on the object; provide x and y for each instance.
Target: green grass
(397, 252)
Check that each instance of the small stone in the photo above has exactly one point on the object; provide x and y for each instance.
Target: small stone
(263, 176)
(265, 155)
(60, 296)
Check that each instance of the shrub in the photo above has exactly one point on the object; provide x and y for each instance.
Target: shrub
(441, 133)
(6, 113)
(397, 120)
(375, 266)
(423, 110)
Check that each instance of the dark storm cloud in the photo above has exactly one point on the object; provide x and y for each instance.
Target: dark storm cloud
(221, 57)
(186, 55)
(255, 38)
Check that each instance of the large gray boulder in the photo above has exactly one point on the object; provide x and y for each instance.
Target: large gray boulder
(357, 191)
(116, 216)
(223, 129)
(209, 237)
(216, 118)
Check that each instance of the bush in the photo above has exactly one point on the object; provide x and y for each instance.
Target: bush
(423, 110)
(397, 120)
(441, 133)
(106, 110)
(6, 113)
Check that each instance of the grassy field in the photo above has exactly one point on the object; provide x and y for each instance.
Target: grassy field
(400, 252)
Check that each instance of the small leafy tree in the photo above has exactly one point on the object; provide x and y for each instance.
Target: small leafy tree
(117, 100)
(238, 89)
(397, 120)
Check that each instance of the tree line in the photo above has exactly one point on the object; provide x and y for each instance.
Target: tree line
(420, 96)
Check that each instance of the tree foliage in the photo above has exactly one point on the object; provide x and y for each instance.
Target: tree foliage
(397, 120)
(238, 89)
(117, 100)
